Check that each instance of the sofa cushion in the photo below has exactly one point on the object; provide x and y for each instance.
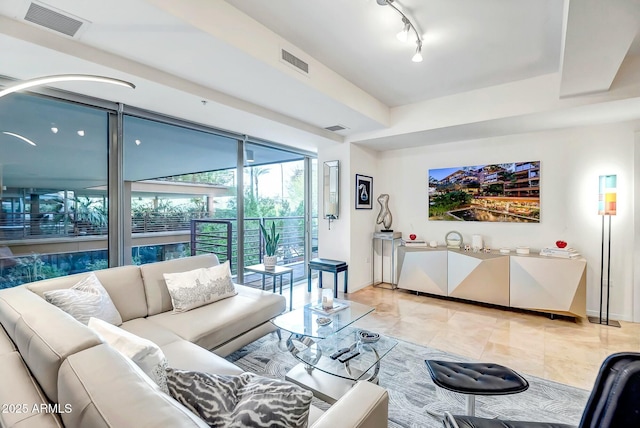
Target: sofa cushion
(245, 400)
(21, 398)
(149, 330)
(158, 298)
(187, 356)
(214, 324)
(6, 345)
(44, 335)
(105, 390)
(86, 299)
(146, 354)
(124, 285)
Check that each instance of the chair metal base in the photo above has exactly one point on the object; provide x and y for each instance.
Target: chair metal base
(471, 407)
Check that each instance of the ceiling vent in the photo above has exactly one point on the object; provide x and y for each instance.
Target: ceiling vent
(52, 19)
(295, 61)
(336, 128)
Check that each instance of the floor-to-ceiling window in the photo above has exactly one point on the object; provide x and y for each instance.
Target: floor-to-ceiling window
(53, 188)
(172, 175)
(58, 162)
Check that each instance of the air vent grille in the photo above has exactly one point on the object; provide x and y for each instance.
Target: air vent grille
(336, 128)
(295, 61)
(52, 20)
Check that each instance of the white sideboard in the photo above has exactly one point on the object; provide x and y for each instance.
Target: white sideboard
(549, 284)
(423, 270)
(481, 277)
(533, 282)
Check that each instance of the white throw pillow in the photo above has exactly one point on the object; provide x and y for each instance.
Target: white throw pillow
(146, 354)
(199, 287)
(88, 298)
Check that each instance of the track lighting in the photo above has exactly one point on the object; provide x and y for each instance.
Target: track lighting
(417, 57)
(407, 26)
(403, 35)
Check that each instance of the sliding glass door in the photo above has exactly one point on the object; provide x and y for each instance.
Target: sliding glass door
(172, 175)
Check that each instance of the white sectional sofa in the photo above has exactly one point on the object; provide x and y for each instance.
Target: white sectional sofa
(55, 371)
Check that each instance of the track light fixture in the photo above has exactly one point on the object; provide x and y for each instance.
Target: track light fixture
(407, 26)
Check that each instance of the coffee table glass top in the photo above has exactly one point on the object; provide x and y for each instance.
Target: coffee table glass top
(317, 354)
(304, 322)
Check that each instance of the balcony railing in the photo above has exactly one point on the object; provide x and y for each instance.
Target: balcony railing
(209, 238)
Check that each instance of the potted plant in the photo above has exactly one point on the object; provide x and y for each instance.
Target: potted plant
(271, 239)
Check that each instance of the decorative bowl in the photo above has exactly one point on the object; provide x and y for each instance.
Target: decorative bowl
(413, 236)
(323, 320)
(368, 336)
(561, 244)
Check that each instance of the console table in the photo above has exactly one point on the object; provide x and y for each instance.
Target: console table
(533, 282)
(382, 237)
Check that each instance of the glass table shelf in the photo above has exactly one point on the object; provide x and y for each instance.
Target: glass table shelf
(317, 354)
(304, 321)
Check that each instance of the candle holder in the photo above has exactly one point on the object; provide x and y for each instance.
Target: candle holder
(327, 299)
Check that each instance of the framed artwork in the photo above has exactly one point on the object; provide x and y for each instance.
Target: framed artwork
(505, 192)
(364, 190)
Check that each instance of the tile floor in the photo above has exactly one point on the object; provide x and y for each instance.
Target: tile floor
(560, 350)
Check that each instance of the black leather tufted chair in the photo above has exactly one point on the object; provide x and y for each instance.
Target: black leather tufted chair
(614, 401)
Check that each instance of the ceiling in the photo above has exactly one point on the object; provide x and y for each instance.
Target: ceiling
(490, 67)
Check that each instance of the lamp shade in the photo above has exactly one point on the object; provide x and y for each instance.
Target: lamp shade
(607, 194)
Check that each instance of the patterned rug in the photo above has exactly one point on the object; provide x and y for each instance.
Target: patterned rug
(411, 392)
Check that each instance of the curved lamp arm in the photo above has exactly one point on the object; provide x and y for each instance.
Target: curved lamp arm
(25, 84)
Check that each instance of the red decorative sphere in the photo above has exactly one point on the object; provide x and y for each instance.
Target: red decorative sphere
(412, 236)
(561, 244)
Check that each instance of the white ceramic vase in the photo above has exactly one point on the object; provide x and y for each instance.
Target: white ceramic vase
(270, 262)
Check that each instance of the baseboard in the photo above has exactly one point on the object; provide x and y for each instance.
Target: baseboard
(612, 316)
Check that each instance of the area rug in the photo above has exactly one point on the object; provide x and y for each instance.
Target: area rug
(411, 392)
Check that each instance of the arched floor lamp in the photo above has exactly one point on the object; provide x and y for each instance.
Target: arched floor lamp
(45, 80)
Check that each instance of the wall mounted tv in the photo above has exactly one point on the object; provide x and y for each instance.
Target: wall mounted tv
(505, 192)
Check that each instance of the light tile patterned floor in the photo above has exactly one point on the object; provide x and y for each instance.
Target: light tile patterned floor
(564, 351)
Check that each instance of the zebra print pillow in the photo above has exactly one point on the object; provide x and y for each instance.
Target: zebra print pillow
(88, 298)
(246, 400)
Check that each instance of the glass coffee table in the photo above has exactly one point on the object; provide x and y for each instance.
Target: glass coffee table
(312, 344)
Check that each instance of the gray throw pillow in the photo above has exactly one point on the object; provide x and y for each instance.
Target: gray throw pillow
(88, 298)
(246, 400)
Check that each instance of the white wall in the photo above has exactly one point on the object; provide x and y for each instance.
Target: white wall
(571, 162)
(335, 243)
(363, 222)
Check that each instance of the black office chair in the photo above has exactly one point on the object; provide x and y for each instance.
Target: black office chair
(614, 401)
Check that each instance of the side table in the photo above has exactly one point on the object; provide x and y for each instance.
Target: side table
(328, 265)
(383, 237)
(278, 271)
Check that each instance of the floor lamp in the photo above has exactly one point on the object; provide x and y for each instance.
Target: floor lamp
(606, 208)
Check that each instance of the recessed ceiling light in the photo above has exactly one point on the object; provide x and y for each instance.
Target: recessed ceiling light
(81, 132)
(25, 139)
(138, 142)
(54, 129)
